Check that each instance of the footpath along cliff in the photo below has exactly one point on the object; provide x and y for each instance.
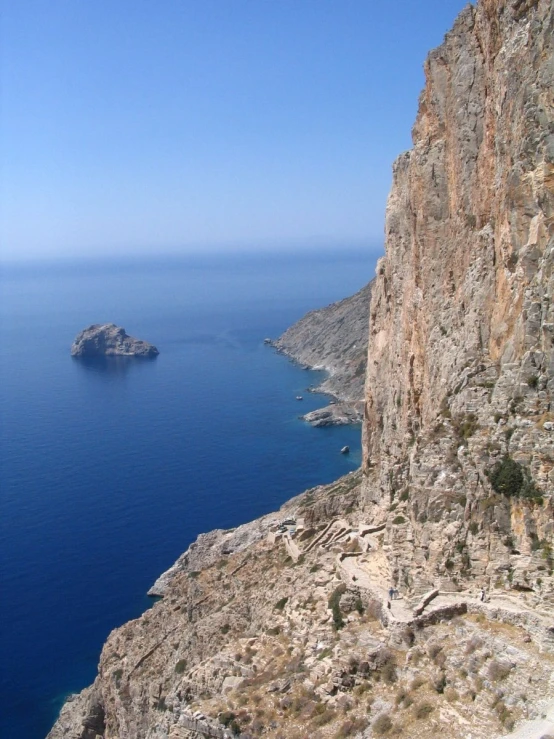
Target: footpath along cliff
(416, 595)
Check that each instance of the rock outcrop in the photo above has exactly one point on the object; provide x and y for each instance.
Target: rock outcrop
(334, 339)
(415, 596)
(109, 340)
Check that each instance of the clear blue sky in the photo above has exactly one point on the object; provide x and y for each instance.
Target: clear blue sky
(184, 125)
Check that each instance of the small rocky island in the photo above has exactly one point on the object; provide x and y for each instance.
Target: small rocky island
(109, 340)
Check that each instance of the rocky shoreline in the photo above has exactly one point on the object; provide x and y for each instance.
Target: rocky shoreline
(336, 414)
(334, 339)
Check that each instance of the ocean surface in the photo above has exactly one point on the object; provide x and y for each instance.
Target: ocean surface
(108, 470)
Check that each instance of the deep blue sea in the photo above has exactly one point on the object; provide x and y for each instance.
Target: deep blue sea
(109, 470)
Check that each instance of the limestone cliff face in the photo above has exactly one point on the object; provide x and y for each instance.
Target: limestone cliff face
(461, 360)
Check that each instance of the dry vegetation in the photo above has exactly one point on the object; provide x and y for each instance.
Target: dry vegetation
(304, 676)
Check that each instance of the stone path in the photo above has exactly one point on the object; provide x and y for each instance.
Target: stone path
(370, 571)
(537, 729)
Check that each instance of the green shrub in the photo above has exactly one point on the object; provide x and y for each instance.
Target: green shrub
(506, 476)
(334, 605)
(226, 717)
(181, 666)
(281, 604)
(512, 479)
(398, 520)
(533, 381)
(465, 426)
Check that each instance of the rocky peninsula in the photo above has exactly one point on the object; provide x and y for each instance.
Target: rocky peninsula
(109, 340)
(414, 597)
(334, 339)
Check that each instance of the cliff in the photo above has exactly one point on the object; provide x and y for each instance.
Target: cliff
(335, 339)
(461, 370)
(287, 627)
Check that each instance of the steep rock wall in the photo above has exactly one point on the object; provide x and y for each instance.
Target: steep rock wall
(461, 361)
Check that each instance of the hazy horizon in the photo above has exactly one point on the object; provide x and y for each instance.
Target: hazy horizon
(205, 127)
(307, 251)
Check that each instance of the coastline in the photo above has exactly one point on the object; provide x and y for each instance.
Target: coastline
(333, 339)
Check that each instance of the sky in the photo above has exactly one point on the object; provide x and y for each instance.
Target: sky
(180, 126)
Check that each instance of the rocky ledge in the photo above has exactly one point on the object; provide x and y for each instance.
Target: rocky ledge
(109, 340)
(335, 414)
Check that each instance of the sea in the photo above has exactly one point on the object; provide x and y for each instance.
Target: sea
(110, 469)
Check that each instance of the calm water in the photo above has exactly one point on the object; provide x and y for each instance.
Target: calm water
(108, 471)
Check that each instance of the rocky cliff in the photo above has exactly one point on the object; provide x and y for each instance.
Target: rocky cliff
(415, 596)
(458, 432)
(335, 339)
